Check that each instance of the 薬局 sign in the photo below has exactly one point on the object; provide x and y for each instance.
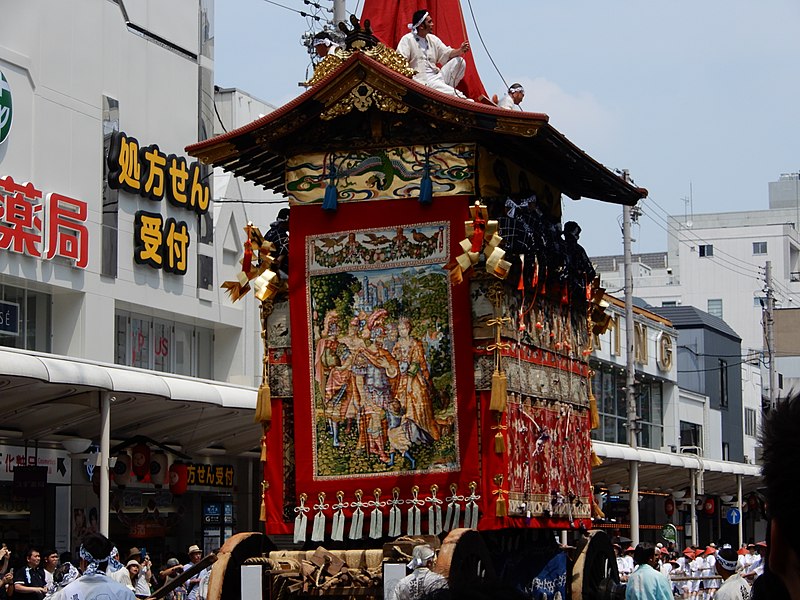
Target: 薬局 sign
(9, 318)
(42, 226)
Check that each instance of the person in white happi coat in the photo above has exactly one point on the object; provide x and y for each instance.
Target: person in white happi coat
(437, 65)
(513, 98)
(734, 586)
(422, 584)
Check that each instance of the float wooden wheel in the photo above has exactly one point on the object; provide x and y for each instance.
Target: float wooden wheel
(225, 582)
(465, 560)
(595, 568)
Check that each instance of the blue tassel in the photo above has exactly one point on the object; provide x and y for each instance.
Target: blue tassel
(331, 194)
(426, 185)
(426, 190)
(330, 202)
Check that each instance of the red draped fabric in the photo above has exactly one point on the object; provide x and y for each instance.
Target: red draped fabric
(390, 21)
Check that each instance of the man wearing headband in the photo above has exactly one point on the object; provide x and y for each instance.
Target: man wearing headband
(734, 586)
(425, 52)
(422, 583)
(324, 44)
(513, 97)
(96, 552)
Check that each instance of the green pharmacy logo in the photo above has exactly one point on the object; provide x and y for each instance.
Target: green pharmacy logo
(5, 108)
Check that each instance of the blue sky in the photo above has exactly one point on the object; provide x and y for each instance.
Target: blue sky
(684, 94)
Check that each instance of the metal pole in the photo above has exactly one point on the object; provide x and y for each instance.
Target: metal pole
(105, 451)
(770, 334)
(739, 506)
(693, 508)
(339, 13)
(631, 373)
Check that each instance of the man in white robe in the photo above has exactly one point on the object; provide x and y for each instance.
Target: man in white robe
(437, 65)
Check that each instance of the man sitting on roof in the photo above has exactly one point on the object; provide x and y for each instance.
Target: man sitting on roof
(513, 97)
(425, 52)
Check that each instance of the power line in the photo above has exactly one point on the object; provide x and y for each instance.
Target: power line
(294, 10)
(480, 37)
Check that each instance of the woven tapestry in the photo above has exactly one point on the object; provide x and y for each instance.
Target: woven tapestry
(382, 174)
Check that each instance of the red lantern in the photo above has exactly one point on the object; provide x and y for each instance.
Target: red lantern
(178, 478)
(141, 460)
(669, 506)
(122, 469)
(158, 468)
(708, 506)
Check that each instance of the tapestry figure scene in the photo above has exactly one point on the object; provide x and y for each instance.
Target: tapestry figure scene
(383, 372)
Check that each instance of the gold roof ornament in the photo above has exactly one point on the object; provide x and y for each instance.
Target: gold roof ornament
(360, 39)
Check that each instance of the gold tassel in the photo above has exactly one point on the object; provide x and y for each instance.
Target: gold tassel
(499, 443)
(596, 460)
(262, 515)
(263, 404)
(500, 507)
(499, 439)
(594, 414)
(264, 447)
(499, 391)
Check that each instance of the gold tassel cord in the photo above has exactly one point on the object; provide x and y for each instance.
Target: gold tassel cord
(499, 438)
(500, 506)
(499, 399)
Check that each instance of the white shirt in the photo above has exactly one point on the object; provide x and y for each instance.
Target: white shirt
(424, 54)
(508, 102)
(735, 587)
(95, 587)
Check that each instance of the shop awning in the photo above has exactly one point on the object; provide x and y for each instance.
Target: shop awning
(662, 471)
(46, 398)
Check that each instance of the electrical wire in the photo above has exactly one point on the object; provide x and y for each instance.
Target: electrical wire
(480, 37)
(299, 12)
(225, 200)
(784, 291)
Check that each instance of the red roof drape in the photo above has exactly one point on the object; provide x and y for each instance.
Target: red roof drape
(390, 21)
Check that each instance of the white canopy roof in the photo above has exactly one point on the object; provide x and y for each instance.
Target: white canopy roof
(46, 397)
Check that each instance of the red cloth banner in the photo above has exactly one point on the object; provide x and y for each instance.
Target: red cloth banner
(383, 391)
(390, 21)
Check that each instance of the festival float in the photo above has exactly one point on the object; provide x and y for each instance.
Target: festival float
(426, 349)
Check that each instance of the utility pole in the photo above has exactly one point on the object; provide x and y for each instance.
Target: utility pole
(770, 325)
(630, 392)
(339, 13)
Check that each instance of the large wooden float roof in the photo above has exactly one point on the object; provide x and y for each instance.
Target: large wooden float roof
(360, 103)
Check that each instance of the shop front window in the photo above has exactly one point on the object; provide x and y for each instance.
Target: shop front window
(32, 328)
(164, 346)
(609, 389)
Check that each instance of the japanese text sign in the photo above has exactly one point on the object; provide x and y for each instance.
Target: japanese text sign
(42, 227)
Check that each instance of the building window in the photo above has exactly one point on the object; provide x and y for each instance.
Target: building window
(148, 343)
(759, 301)
(714, 307)
(691, 435)
(706, 250)
(759, 247)
(609, 389)
(32, 331)
(726, 451)
(723, 383)
(669, 303)
(750, 422)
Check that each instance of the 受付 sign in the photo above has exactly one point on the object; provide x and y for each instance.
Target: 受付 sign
(148, 172)
(42, 227)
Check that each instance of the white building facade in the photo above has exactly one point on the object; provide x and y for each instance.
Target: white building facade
(112, 252)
